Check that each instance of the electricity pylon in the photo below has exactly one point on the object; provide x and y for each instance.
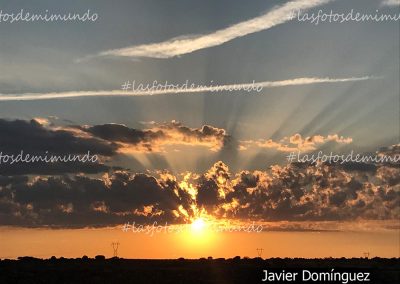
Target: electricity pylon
(115, 248)
(259, 251)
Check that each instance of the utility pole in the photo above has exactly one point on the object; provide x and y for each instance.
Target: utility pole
(366, 255)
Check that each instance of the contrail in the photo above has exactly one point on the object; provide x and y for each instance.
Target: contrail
(181, 90)
(187, 44)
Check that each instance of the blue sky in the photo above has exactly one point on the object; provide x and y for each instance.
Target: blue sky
(176, 157)
(44, 57)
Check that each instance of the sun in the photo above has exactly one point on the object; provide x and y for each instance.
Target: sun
(198, 225)
(199, 234)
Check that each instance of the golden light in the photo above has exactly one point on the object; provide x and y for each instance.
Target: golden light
(199, 236)
(198, 225)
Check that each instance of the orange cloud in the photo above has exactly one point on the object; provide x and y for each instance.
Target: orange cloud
(159, 136)
(296, 142)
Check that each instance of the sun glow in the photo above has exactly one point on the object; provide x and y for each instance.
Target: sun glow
(198, 225)
(199, 234)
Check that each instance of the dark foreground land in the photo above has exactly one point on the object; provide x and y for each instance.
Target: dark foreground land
(236, 270)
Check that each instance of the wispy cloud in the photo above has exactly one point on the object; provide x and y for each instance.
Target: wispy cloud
(391, 3)
(183, 90)
(187, 44)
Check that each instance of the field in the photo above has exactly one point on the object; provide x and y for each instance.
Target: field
(236, 270)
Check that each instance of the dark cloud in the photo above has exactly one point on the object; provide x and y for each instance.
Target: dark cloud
(159, 136)
(352, 166)
(81, 201)
(324, 192)
(122, 133)
(42, 168)
(296, 192)
(39, 137)
(35, 139)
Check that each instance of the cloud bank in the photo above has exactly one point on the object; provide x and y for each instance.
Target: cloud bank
(294, 193)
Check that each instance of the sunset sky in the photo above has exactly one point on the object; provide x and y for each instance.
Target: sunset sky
(199, 155)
